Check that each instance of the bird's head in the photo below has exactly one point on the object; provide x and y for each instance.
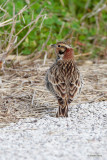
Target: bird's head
(63, 51)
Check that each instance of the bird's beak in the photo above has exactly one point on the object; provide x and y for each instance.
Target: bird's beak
(53, 45)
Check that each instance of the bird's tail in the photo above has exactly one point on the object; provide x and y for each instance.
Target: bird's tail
(62, 112)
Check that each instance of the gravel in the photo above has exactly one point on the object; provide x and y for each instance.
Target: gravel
(81, 136)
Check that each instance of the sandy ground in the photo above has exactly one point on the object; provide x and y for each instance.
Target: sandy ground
(23, 93)
(36, 134)
(81, 136)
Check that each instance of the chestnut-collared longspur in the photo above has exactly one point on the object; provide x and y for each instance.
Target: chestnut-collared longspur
(63, 78)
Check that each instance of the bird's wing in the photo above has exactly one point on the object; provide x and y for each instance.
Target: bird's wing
(57, 80)
(74, 84)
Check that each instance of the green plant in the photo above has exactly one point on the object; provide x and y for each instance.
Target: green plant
(84, 22)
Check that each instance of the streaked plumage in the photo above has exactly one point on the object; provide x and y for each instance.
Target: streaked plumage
(63, 78)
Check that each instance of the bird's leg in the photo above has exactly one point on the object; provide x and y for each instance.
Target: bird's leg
(66, 111)
(59, 113)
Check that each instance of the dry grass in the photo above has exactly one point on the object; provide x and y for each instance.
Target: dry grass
(23, 93)
(10, 41)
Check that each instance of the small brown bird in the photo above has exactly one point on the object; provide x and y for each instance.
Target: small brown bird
(63, 78)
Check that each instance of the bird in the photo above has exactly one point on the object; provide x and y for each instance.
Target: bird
(63, 78)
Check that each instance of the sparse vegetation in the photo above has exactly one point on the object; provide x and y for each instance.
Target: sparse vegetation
(27, 27)
(23, 32)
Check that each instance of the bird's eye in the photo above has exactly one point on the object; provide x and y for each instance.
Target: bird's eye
(59, 46)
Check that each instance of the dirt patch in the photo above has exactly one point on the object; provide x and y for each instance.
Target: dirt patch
(23, 92)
